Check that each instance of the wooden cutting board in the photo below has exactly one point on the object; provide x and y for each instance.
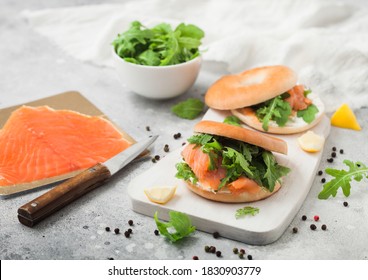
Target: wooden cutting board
(275, 212)
(71, 100)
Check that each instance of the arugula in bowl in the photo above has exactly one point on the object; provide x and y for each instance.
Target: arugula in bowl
(159, 46)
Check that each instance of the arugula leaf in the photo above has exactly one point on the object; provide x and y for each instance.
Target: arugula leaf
(308, 114)
(274, 171)
(177, 228)
(185, 173)
(234, 120)
(275, 109)
(188, 109)
(343, 179)
(160, 45)
(307, 91)
(247, 210)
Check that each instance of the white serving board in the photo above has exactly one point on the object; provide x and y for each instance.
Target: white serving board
(276, 212)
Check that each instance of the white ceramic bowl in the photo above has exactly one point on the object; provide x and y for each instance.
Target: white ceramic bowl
(157, 82)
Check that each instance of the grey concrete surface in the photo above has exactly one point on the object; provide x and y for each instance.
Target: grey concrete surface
(31, 67)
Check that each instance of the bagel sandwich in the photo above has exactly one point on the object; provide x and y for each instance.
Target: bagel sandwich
(228, 163)
(267, 99)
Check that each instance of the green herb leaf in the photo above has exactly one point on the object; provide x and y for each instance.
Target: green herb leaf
(343, 178)
(177, 228)
(234, 120)
(308, 114)
(274, 171)
(185, 172)
(189, 109)
(275, 109)
(307, 91)
(247, 210)
(160, 45)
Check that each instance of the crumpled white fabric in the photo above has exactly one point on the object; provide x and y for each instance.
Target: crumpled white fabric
(325, 42)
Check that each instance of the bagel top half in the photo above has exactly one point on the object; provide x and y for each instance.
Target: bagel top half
(250, 87)
(256, 138)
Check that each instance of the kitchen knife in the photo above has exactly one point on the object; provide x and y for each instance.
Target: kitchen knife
(43, 206)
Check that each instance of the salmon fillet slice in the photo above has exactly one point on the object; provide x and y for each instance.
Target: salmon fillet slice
(297, 100)
(199, 162)
(39, 142)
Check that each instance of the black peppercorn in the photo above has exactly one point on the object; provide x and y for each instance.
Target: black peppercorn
(117, 231)
(156, 232)
(334, 149)
(218, 254)
(323, 180)
(313, 227)
(130, 231)
(195, 258)
(148, 128)
(250, 257)
(323, 227)
(235, 250)
(320, 172)
(212, 249)
(345, 204)
(110, 259)
(304, 217)
(183, 143)
(207, 249)
(166, 148)
(295, 230)
(107, 228)
(157, 157)
(216, 235)
(330, 160)
(130, 222)
(341, 151)
(333, 154)
(127, 234)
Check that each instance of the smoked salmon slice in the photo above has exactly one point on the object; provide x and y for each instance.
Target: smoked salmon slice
(39, 142)
(297, 100)
(199, 162)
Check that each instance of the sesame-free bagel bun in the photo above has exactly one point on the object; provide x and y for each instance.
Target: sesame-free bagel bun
(294, 125)
(250, 87)
(242, 134)
(228, 197)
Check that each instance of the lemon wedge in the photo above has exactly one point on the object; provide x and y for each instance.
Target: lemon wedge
(344, 117)
(160, 195)
(311, 142)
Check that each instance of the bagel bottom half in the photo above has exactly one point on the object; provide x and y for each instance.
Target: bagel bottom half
(248, 116)
(228, 197)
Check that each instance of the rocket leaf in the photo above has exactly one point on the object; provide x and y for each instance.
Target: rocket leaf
(275, 109)
(343, 179)
(177, 228)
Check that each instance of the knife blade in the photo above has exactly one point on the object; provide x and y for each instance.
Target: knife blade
(43, 206)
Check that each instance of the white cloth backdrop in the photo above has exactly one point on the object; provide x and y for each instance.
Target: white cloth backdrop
(326, 42)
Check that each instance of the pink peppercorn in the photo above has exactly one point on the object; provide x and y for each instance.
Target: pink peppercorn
(316, 218)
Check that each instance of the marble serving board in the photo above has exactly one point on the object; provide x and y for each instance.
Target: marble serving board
(275, 212)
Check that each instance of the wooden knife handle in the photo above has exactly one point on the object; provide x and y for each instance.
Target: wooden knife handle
(41, 207)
